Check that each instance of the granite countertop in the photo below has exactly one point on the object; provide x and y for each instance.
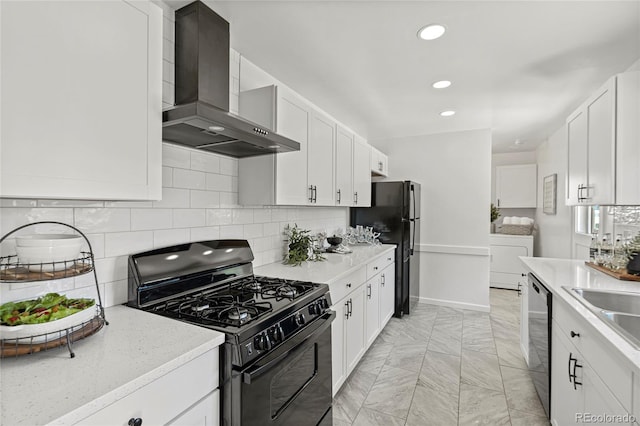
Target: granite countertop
(558, 273)
(333, 268)
(135, 349)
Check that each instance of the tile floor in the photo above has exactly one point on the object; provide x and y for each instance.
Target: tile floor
(444, 366)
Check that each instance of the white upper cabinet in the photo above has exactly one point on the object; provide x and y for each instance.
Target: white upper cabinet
(361, 172)
(516, 186)
(603, 149)
(320, 158)
(379, 163)
(81, 100)
(277, 179)
(344, 167)
(628, 139)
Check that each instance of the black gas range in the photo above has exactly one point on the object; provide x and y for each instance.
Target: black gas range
(275, 365)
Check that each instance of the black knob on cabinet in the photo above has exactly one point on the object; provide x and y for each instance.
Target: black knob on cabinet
(574, 334)
(135, 422)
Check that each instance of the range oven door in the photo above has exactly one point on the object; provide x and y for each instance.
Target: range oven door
(291, 385)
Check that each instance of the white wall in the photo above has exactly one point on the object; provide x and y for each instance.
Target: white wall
(454, 170)
(554, 233)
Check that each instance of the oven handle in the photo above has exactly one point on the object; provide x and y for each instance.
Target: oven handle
(296, 344)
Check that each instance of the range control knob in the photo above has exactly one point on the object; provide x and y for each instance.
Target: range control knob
(277, 334)
(314, 309)
(262, 342)
(299, 319)
(323, 303)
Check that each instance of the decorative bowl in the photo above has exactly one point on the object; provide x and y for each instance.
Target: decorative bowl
(334, 241)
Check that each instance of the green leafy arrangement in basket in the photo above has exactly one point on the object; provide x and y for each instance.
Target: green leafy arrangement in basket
(300, 244)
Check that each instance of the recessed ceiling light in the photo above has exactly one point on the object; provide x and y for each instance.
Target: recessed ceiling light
(447, 113)
(431, 32)
(442, 84)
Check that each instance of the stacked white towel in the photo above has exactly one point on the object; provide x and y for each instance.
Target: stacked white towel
(515, 220)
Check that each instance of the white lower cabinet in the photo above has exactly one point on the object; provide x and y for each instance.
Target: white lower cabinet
(363, 302)
(186, 396)
(589, 383)
(373, 312)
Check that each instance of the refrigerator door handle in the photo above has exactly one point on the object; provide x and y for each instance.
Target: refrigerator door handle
(413, 219)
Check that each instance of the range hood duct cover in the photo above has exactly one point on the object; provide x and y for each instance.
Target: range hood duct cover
(201, 117)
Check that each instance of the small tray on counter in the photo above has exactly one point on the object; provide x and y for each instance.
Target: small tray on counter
(620, 275)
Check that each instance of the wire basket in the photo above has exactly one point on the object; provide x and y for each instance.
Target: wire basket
(516, 229)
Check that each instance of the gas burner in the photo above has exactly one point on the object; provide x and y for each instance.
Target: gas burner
(236, 313)
(253, 285)
(286, 291)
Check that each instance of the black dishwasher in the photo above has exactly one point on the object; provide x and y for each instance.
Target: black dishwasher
(539, 321)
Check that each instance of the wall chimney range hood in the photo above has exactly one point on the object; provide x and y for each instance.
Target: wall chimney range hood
(201, 117)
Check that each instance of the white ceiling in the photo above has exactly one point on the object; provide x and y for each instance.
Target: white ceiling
(517, 67)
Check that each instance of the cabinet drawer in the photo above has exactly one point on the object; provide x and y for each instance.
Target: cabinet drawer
(165, 398)
(376, 266)
(607, 364)
(343, 286)
(511, 280)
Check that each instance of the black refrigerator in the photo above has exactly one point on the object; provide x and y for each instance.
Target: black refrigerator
(395, 214)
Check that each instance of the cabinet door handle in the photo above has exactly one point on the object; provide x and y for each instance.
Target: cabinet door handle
(519, 289)
(346, 307)
(311, 193)
(135, 422)
(384, 280)
(350, 307)
(349, 285)
(569, 367)
(315, 194)
(369, 291)
(355, 197)
(339, 196)
(498, 202)
(575, 382)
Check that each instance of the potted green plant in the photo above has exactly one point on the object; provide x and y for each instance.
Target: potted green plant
(300, 246)
(495, 214)
(633, 253)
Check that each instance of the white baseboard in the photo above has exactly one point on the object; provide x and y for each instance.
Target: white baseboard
(451, 304)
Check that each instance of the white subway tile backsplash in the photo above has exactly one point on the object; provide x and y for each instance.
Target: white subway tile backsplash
(103, 220)
(170, 237)
(204, 199)
(231, 231)
(173, 198)
(175, 156)
(205, 162)
(188, 179)
(168, 72)
(113, 268)
(229, 199)
(128, 204)
(168, 51)
(219, 216)
(271, 228)
(97, 244)
(188, 218)
(14, 217)
(116, 293)
(7, 202)
(122, 243)
(279, 214)
(167, 177)
(217, 182)
(242, 216)
(262, 215)
(168, 93)
(147, 219)
(205, 233)
(229, 166)
(253, 230)
(168, 29)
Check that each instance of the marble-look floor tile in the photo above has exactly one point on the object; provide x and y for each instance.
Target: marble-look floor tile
(432, 407)
(520, 391)
(444, 342)
(340, 416)
(481, 369)
(480, 406)
(478, 339)
(367, 417)
(510, 353)
(392, 392)
(407, 356)
(374, 359)
(441, 372)
(519, 418)
(504, 329)
(354, 392)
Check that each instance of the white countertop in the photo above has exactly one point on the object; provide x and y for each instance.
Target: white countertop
(558, 273)
(135, 349)
(333, 268)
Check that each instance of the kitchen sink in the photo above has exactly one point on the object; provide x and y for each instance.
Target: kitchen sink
(614, 301)
(619, 309)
